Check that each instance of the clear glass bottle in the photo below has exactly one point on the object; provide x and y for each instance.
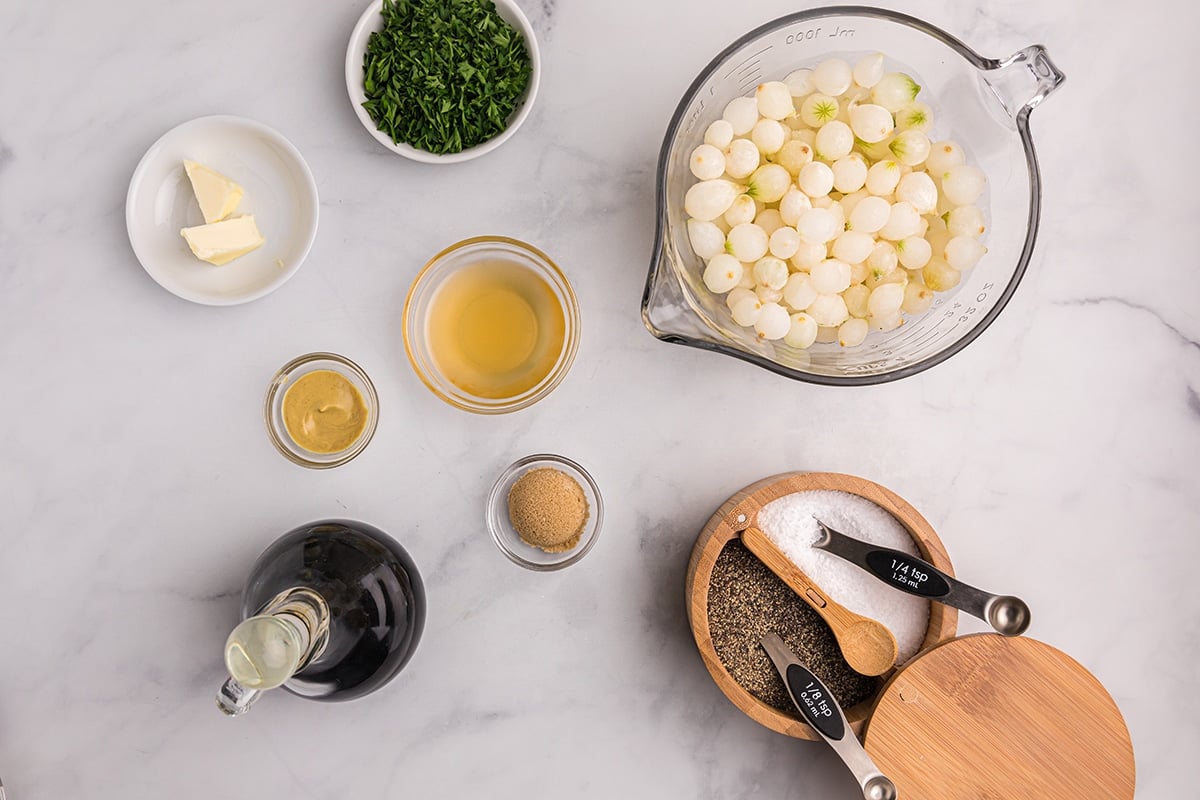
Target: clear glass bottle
(332, 610)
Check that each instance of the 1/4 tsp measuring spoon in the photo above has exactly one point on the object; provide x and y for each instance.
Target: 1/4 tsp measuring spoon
(1008, 615)
(821, 711)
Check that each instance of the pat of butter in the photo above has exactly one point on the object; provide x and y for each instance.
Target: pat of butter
(221, 242)
(217, 195)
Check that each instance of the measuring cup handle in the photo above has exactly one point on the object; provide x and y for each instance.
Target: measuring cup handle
(1024, 79)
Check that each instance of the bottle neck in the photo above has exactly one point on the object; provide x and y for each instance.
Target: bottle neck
(267, 649)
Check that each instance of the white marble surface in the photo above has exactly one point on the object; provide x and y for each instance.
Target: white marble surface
(1056, 455)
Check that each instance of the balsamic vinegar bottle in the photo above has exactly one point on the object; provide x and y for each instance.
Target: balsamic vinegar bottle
(332, 611)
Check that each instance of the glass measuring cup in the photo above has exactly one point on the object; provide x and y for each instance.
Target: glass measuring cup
(982, 103)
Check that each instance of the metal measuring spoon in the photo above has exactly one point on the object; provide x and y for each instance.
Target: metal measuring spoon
(821, 711)
(1008, 615)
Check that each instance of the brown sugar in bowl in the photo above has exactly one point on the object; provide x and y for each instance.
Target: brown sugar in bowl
(737, 513)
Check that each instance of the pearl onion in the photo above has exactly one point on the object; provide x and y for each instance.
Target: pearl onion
(883, 177)
(885, 300)
(794, 155)
(747, 242)
(769, 220)
(834, 140)
(965, 221)
(817, 109)
(850, 173)
(741, 113)
(799, 83)
(832, 77)
(741, 158)
(962, 184)
(853, 332)
(831, 276)
(816, 179)
(963, 252)
(944, 155)
(741, 211)
(883, 260)
(914, 252)
(738, 295)
(911, 147)
(919, 190)
(817, 225)
(708, 200)
(706, 238)
(768, 136)
(707, 162)
(773, 322)
(853, 247)
(871, 123)
(766, 294)
(746, 310)
(870, 214)
(828, 310)
(784, 242)
(802, 333)
(903, 221)
(940, 276)
(917, 298)
(770, 272)
(793, 204)
(774, 100)
(869, 70)
(856, 300)
(719, 134)
(808, 255)
(799, 292)
(722, 273)
(770, 183)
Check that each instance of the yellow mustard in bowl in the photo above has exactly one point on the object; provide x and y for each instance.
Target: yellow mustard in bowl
(324, 412)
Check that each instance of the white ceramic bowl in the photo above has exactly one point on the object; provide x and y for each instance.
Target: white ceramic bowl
(372, 20)
(280, 193)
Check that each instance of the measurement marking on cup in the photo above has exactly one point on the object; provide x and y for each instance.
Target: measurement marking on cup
(753, 79)
(819, 32)
(737, 68)
(750, 67)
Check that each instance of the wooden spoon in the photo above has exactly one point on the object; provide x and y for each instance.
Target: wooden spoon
(868, 646)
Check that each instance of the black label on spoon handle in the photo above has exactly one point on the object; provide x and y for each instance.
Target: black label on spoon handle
(814, 701)
(907, 573)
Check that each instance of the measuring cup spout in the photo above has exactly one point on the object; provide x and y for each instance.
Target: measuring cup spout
(665, 309)
(1024, 79)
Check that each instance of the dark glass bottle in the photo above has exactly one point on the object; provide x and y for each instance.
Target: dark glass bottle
(333, 611)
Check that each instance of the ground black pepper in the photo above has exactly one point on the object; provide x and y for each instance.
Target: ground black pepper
(746, 601)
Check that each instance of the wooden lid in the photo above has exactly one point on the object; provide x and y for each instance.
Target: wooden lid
(987, 717)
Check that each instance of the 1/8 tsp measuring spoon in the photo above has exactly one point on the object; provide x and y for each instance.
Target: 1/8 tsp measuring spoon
(1008, 615)
(822, 712)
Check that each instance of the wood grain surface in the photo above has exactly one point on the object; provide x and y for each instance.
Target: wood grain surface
(986, 717)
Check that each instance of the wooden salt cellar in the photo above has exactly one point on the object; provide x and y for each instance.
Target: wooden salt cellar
(738, 513)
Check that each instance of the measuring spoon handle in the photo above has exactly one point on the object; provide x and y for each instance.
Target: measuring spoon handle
(917, 577)
(821, 711)
(868, 646)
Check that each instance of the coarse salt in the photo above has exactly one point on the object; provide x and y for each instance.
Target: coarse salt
(791, 523)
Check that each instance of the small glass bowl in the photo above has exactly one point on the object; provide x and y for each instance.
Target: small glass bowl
(509, 541)
(287, 375)
(447, 263)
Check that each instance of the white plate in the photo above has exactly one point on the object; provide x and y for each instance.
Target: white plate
(372, 20)
(280, 193)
